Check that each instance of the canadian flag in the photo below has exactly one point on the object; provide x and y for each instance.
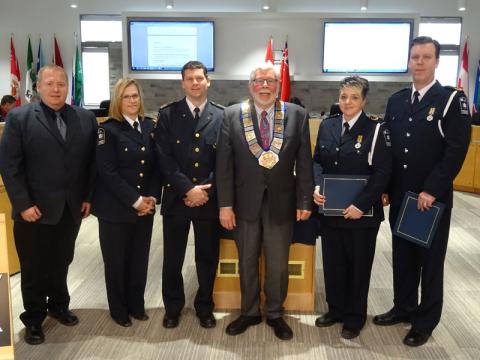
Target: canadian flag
(269, 52)
(463, 75)
(14, 74)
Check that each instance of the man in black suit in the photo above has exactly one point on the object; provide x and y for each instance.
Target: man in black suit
(430, 134)
(187, 136)
(46, 162)
(264, 181)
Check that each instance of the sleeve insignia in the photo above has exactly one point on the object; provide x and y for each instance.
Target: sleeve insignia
(463, 105)
(101, 136)
(386, 136)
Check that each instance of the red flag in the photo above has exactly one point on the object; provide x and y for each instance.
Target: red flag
(269, 53)
(57, 57)
(285, 76)
(14, 74)
(463, 75)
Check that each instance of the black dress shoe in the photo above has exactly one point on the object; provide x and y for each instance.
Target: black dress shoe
(349, 333)
(34, 335)
(142, 317)
(327, 319)
(416, 338)
(241, 324)
(281, 328)
(122, 322)
(170, 321)
(65, 317)
(390, 318)
(207, 320)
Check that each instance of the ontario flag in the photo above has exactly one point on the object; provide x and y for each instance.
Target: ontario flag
(57, 57)
(14, 74)
(285, 75)
(463, 75)
(269, 53)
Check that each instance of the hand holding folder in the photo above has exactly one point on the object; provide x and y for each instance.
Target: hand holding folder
(417, 225)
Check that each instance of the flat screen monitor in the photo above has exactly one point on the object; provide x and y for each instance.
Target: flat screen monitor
(367, 46)
(157, 45)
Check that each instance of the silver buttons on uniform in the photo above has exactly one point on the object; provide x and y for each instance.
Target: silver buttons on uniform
(408, 134)
(406, 150)
(337, 149)
(197, 149)
(405, 166)
(410, 119)
(336, 162)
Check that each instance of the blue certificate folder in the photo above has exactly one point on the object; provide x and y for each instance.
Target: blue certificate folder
(340, 191)
(417, 226)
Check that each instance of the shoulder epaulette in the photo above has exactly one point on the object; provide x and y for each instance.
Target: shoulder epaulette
(374, 117)
(221, 107)
(401, 91)
(164, 106)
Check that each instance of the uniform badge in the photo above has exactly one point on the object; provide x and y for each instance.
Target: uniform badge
(386, 136)
(463, 105)
(358, 145)
(101, 136)
(430, 114)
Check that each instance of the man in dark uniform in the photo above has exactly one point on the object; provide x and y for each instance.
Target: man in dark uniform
(47, 165)
(430, 134)
(187, 134)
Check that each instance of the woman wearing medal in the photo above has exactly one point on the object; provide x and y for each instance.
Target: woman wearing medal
(351, 143)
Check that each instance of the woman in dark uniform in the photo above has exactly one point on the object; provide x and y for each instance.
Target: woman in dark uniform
(126, 191)
(351, 144)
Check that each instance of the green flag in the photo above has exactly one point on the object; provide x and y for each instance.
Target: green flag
(77, 83)
(30, 76)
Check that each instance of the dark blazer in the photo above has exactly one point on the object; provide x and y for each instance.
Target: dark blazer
(241, 181)
(39, 168)
(336, 156)
(187, 156)
(127, 169)
(423, 160)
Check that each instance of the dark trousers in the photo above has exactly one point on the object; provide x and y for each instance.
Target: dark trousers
(45, 253)
(125, 249)
(175, 237)
(347, 264)
(275, 238)
(414, 265)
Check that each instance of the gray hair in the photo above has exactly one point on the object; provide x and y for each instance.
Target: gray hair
(356, 82)
(264, 66)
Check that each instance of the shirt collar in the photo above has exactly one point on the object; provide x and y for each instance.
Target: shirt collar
(423, 91)
(52, 112)
(192, 107)
(130, 120)
(351, 122)
(269, 111)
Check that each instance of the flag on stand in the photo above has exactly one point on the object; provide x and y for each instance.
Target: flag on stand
(30, 76)
(39, 61)
(57, 57)
(463, 75)
(476, 95)
(14, 74)
(77, 78)
(269, 53)
(285, 75)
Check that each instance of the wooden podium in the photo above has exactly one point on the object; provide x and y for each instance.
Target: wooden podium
(6, 208)
(6, 326)
(301, 282)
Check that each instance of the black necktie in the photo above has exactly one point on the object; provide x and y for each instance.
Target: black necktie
(197, 113)
(416, 99)
(135, 125)
(62, 127)
(346, 131)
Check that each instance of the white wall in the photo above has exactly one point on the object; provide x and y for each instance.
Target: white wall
(240, 39)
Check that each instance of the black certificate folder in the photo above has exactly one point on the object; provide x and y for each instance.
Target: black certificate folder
(417, 226)
(340, 192)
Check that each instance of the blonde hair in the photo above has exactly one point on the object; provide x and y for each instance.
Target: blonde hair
(51, 67)
(115, 110)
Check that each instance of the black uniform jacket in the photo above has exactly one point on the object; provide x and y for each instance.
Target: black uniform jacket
(187, 156)
(242, 182)
(350, 157)
(424, 160)
(127, 169)
(39, 168)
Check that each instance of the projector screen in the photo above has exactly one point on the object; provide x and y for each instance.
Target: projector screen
(156, 45)
(366, 46)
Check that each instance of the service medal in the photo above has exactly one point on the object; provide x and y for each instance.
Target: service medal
(429, 118)
(430, 114)
(268, 159)
(358, 145)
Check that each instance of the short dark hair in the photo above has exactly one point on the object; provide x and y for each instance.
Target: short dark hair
(192, 65)
(357, 82)
(8, 99)
(420, 40)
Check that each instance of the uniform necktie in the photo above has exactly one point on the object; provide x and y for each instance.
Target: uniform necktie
(62, 127)
(135, 126)
(197, 113)
(416, 99)
(265, 130)
(346, 131)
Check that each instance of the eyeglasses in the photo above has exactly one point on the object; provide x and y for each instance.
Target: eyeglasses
(262, 81)
(133, 97)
